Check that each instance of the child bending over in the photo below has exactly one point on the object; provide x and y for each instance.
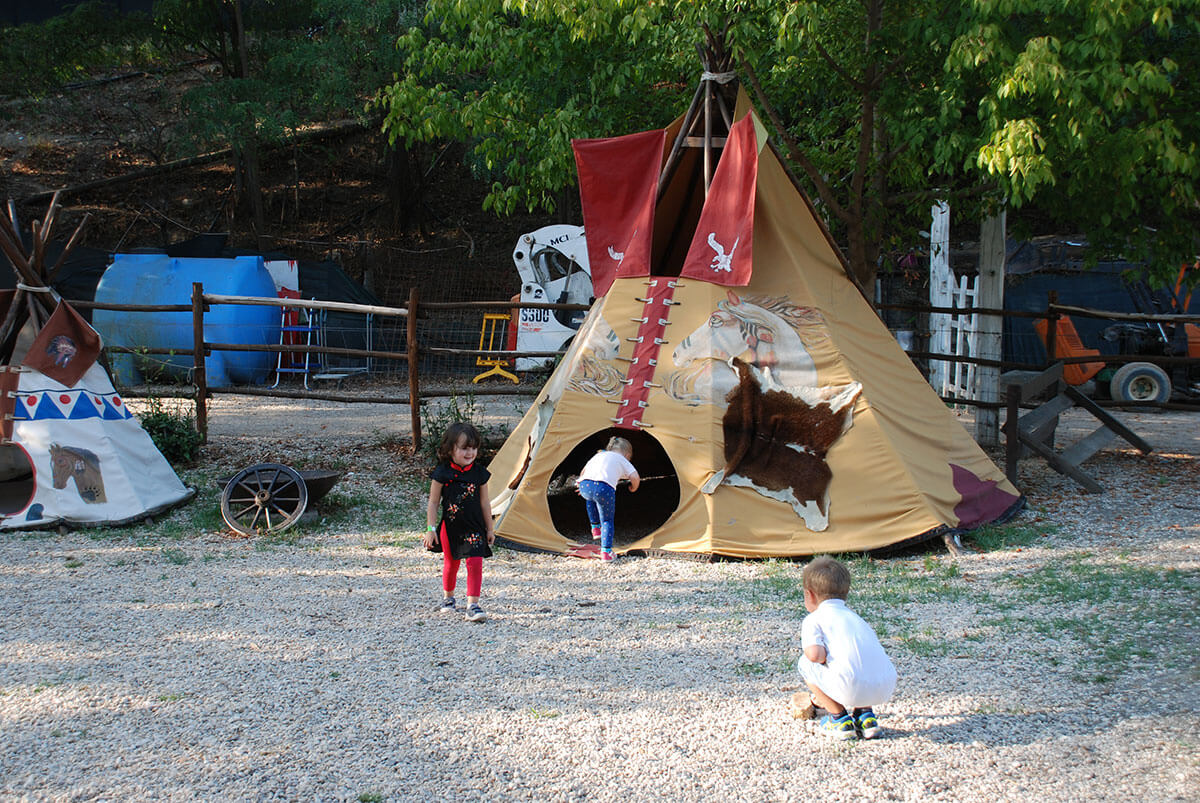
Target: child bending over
(598, 487)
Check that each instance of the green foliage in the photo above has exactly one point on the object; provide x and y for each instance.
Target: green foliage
(517, 82)
(437, 418)
(37, 58)
(302, 62)
(173, 430)
(1087, 111)
(1082, 114)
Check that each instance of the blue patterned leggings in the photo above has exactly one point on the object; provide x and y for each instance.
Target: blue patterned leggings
(601, 499)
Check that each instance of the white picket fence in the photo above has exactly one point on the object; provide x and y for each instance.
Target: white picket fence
(950, 334)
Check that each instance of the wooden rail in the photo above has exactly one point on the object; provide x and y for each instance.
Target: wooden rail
(202, 302)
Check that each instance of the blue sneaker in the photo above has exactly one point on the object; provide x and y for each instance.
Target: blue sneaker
(867, 724)
(838, 726)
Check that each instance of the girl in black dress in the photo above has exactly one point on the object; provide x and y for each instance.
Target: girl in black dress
(465, 530)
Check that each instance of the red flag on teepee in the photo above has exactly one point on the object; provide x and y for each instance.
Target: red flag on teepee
(65, 348)
(721, 248)
(618, 181)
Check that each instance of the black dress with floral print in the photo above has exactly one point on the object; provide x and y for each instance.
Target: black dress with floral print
(462, 514)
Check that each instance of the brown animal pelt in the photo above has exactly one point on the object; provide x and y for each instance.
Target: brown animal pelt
(759, 426)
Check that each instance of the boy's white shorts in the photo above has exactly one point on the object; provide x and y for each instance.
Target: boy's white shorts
(850, 692)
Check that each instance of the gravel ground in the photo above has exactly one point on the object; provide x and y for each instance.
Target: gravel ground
(178, 662)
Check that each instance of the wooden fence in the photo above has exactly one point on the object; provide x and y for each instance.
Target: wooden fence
(1053, 314)
(203, 302)
(416, 309)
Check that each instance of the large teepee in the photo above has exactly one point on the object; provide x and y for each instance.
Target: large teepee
(70, 451)
(770, 410)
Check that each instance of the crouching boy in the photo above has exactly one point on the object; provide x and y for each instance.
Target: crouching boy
(843, 663)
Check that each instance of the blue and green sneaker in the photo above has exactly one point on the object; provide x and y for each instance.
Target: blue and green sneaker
(839, 726)
(867, 724)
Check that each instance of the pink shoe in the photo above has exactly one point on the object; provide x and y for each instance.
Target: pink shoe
(595, 533)
(607, 557)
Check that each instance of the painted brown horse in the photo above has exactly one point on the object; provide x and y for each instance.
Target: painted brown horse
(69, 462)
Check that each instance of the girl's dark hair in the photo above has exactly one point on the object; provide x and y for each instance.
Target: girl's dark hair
(453, 433)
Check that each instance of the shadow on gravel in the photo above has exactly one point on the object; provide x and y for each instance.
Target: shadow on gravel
(1001, 730)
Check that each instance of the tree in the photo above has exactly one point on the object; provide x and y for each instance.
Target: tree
(517, 81)
(881, 106)
(1088, 114)
(283, 65)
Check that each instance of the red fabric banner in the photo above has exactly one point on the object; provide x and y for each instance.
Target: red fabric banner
(65, 348)
(721, 249)
(618, 181)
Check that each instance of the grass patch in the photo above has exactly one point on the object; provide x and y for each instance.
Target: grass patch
(1117, 615)
(997, 537)
(176, 557)
(544, 713)
(750, 669)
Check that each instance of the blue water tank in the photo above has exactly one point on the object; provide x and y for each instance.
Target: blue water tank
(160, 279)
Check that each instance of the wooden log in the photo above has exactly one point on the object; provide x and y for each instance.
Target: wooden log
(13, 224)
(335, 129)
(1109, 421)
(302, 349)
(1122, 316)
(310, 394)
(1088, 446)
(503, 305)
(132, 307)
(1061, 466)
(1012, 443)
(486, 353)
(339, 306)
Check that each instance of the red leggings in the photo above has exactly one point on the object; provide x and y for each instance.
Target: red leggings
(450, 569)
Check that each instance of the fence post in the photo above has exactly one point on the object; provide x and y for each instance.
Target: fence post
(1012, 450)
(414, 385)
(989, 330)
(199, 375)
(1052, 329)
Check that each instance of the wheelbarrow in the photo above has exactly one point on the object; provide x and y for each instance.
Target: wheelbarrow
(270, 497)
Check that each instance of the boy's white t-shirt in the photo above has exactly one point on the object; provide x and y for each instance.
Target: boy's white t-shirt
(609, 467)
(857, 672)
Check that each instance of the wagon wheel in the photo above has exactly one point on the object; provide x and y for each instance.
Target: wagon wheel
(265, 498)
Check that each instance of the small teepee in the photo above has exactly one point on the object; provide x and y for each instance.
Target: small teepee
(70, 450)
(770, 410)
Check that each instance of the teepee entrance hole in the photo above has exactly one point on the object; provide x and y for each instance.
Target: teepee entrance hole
(17, 482)
(638, 514)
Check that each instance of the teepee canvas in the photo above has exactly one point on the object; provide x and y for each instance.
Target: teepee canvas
(70, 450)
(770, 410)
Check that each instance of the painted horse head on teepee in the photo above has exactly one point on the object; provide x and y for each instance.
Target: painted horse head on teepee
(70, 450)
(770, 410)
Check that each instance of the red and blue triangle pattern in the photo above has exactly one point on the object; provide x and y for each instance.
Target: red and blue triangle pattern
(73, 405)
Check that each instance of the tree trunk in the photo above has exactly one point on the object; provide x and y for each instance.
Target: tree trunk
(252, 185)
(405, 188)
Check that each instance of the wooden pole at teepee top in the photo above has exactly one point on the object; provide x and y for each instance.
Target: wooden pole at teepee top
(708, 119)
